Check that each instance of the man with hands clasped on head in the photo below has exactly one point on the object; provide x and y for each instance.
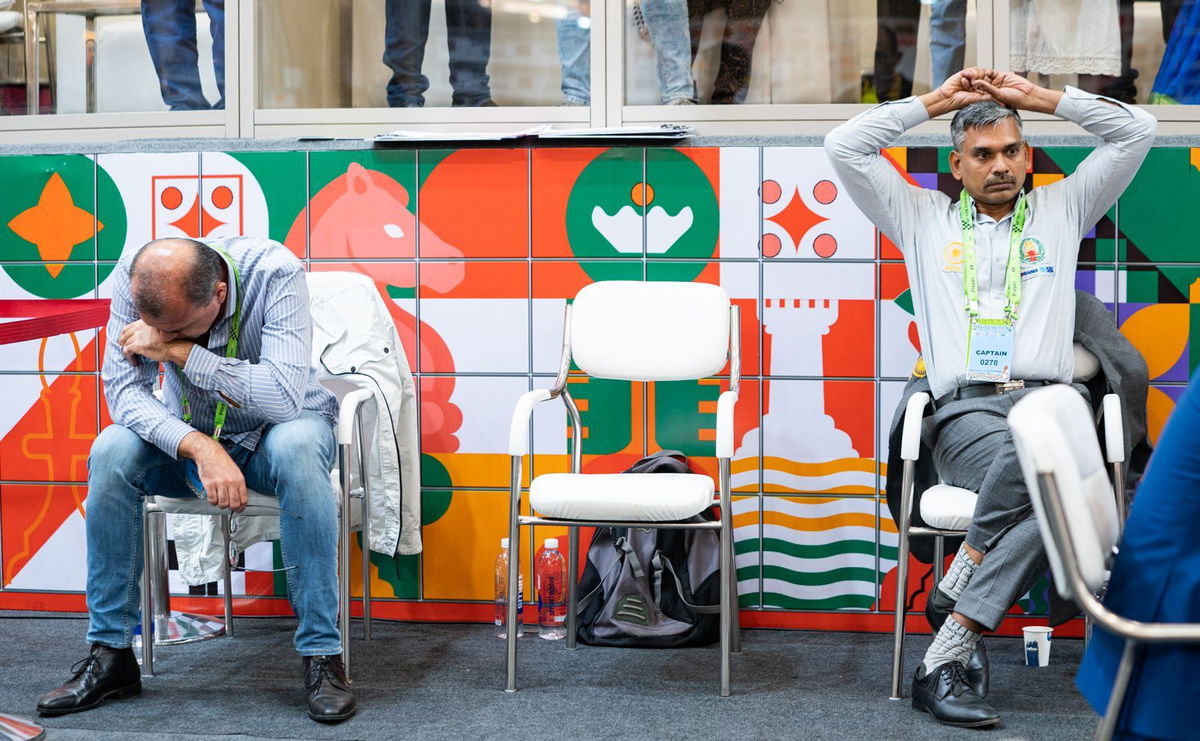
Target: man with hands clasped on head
(241, 407)
(992, 275)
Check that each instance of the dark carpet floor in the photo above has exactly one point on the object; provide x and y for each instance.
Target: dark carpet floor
(442, 681)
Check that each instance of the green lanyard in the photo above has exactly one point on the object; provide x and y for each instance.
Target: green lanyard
(1012, 272)
(230, 352)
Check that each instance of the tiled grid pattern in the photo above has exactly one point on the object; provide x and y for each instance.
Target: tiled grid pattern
(548, 270)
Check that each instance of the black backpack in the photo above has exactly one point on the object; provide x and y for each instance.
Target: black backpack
(651, 588)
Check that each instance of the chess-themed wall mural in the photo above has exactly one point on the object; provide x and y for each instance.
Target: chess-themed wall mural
(477, 252)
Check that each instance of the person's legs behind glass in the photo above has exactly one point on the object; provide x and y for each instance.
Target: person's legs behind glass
(947, 39)
(216, 27)
(469, 42)
(406, 29)
(667, 21)
(574, 55)
(737, 50)
(170, 28)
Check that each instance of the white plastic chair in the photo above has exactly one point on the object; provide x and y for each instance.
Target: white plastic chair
(632, 331)
(947, 510)
(1080, 523)
(174, 628)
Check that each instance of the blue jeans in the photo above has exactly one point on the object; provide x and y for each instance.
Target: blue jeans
(170, 28)
(947, 39)
(293, 461)
(667, 21)
(469, 43)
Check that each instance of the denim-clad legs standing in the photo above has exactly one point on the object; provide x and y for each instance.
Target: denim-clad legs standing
(469, 41)
(667, 22)
(170, 28)
(292, 461)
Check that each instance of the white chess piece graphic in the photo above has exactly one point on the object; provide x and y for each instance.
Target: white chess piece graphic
(796, 426)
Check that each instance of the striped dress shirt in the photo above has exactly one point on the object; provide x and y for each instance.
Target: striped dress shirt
(270, 381)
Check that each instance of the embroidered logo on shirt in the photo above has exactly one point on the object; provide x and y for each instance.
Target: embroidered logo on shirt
(1032, 251)
(952, 258)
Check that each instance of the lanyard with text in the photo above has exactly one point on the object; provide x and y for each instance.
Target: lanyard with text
(230, 352)
(990, 341)
(1012, 270)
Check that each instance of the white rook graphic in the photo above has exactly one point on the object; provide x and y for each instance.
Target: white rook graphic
(796, 426)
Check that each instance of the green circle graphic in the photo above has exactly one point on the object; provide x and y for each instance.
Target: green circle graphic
(21, 189)
(672, 184)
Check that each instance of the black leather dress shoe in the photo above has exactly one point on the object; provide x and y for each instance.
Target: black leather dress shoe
(329, 696)
(106, 672)
(937, 608)
(945, 694)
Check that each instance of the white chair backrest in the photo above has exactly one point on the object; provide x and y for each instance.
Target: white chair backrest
(1055, 433)
(650, 331)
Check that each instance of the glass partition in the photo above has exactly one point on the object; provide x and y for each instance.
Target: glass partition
(1135, 52)
(783, 51)
(99, 56)
(422, 53)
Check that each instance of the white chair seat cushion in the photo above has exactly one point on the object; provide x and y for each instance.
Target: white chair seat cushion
(948, 507)
(638, 497)
(257, 504)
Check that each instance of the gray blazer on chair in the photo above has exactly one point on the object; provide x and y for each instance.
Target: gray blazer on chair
(1123, 371)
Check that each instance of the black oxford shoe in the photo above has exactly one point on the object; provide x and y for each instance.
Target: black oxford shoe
(329, 696)
(945, 694)
(937, 608)
(105, 673)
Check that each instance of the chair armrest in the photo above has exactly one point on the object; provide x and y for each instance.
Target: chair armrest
(1114, 429)
(914, 412)
(518, 432)
(348, 413)
(725, 404)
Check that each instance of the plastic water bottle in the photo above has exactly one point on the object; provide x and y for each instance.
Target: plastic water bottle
(551, 581)
(502, 593)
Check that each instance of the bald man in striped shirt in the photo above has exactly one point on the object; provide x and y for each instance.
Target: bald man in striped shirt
(229, 323)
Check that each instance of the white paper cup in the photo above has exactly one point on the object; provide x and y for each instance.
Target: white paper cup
(1037, 645)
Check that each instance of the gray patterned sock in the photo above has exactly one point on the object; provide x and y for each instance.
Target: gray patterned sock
(952, 643)
(962, 568)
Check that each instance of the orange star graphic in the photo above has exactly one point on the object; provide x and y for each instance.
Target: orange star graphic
(55, 224)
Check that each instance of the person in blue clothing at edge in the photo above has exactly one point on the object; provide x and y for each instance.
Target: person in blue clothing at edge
(993, 271)
(229, 323)
(1156, 579)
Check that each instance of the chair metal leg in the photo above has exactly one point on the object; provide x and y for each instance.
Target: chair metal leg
(898, 627)
(365, 516)
(366, 572)
(939, 562)
(169, 627)
(514, 570)
(572, 586)
(147, 602)
(227, 572)
(1108, 724)
(154, 524)
(343, 554)
(727, 597)
(731, 583)
(901, 580)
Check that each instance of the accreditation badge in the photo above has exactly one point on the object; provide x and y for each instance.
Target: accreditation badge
(989, 350)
